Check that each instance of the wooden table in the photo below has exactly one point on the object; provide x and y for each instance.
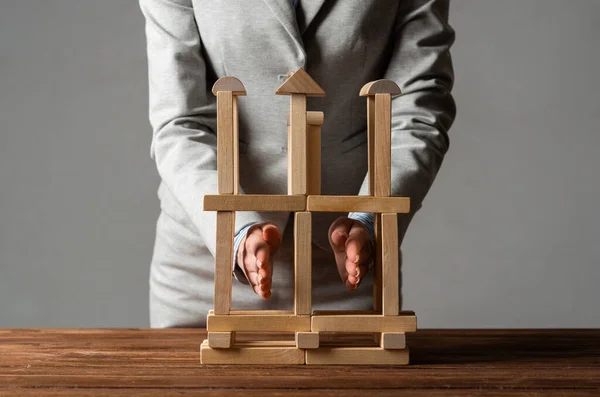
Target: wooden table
(70, 362)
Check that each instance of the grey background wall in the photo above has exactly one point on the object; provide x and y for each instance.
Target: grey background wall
(507, 237)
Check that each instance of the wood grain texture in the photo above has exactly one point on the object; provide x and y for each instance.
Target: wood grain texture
(245, 355)
(406, 322)
(165, 362)
(224, 262)
(371, 144)
(303, 263)
(314, 159)
(312, 118)
(300, 82)
(356, 356)
(236, 146)
(257, 323)
(400, 205)
(254, 202)
(383, 145)
(225, 146)
(389, 264)
(297, 146)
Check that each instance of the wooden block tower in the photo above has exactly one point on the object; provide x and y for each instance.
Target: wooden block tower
(302, 336)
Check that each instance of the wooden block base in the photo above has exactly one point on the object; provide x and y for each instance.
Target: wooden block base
(405, 322)
(261, 352)
(356, 356)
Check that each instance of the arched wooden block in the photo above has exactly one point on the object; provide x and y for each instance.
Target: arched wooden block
(380, 87)
(229, 83)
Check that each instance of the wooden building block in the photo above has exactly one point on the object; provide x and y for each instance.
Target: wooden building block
(389, 264)
(236, 147)
(300, 82)
(371, 144)
(254, 202)
(312, 118)
(229, 83)
(383, 145)
(298, 145)
(220, 340)
(406, 322)
(400, 205)
(307, 340)
(377, 268)
(382, 86)
(303, 263)
(343, 312)
(356, 356)
(392, 340)
(225, 146)
(257, 323)
(252, 355)
(314, 159)
(224, 262)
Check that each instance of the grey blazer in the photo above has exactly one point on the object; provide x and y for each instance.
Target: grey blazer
(342, 45)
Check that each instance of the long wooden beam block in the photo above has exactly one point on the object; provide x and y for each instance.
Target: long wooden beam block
(399, 205)
(257, 323)
(251, 355)
(225, 145)
(389, 264)
(298, 145)
(303, 263)
(383, 145)
(223, 262)
(356, 356)
(254, 202)
(407, 322)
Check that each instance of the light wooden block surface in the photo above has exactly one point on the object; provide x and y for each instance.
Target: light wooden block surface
(236, 147)
(224, 262)
(312, 118)
(300, 83)
(382, 86)
(307, 340)
(252, 355)
(389, 261)
(314, 159)
(371, 144)
(356, 356)
(225, 146)
(407, 322)
(229, 83)
(220, 340)
(303, 263)
(254, 202)
(257, 323)
(298, 170)
(400, 205)
(392, 340)
(383, 145)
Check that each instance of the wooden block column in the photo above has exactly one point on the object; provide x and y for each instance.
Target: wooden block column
(226, 89)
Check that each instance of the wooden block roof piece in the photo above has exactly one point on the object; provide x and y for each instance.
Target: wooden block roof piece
(229, 83)
(380, 87)
(300, 83)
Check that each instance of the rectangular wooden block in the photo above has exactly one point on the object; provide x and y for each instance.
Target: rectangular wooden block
(224, 262)
(254, 202)
(257, 323)
(236, 147)
(400, 205)
(303, 263)
(225, 142)
(314, 159)
(406, 322)
(307, 340)
(392, 340)
(383, 145)
(356, 356)
(220, 340)
(312, 118)
(371, 143)
(297, 145)
(256, 355)
(389, 261)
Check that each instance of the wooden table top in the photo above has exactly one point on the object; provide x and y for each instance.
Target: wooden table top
(94, 362)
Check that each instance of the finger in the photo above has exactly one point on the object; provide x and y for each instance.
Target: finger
(358, 253)
(257, 258)
(338, 234)
(272, 235)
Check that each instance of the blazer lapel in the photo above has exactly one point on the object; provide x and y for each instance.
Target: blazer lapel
(285, 13)
(310, 9)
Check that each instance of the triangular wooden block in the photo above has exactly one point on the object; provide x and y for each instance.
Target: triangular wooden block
(300, 83)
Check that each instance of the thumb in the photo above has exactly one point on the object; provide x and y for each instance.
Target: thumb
(272, 235)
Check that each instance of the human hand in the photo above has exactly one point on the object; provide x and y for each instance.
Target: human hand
(351, 245)
(255, 256)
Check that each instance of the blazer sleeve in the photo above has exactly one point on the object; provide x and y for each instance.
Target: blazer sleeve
(183, 114)
(422, 67)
